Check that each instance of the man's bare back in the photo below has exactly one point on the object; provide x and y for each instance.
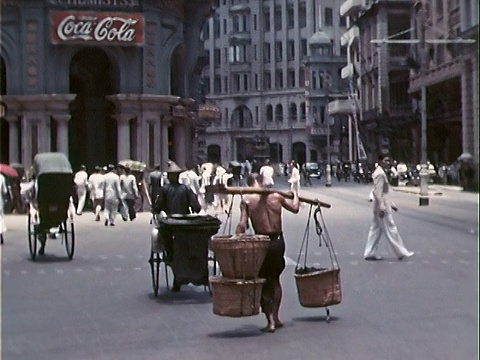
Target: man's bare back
(265, 212)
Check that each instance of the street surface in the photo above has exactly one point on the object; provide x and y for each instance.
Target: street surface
(100, 305)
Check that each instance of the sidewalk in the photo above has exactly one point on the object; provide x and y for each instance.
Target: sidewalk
(435, 189)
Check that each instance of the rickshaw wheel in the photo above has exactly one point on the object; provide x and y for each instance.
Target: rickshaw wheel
(32, 237)
(69, 241)
(164, 257)
(155, 268)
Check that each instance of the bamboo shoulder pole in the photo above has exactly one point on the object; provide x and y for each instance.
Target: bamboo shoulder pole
(235, 190)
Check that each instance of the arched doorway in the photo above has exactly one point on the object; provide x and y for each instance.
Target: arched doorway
(3, 124)
(92, 130)
(299, 152)
(214, 154)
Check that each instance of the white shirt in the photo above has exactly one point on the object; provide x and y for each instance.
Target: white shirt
(191, 179)
(81, 178)
(267, 172)
(95, 185)
(129, 186)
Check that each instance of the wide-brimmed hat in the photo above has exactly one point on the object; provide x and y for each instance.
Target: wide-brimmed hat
(172, 167)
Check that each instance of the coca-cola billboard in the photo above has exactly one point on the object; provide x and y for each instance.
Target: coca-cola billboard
(96, 28)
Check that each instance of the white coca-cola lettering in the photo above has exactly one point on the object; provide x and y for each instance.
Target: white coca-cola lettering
(104, 30)
(85, 28)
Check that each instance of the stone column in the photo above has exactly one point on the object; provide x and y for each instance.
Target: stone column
(164, 123)
(179, 141)
(62, 132)
(26, 151)
(13, 132)
(123, 136)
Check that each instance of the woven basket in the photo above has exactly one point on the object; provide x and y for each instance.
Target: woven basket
(319, 288)
(236, 297)
(240, 257)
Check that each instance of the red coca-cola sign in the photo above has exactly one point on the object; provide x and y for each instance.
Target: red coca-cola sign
(95, 27)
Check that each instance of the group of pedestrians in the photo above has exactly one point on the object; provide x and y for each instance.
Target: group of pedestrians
(112, 189)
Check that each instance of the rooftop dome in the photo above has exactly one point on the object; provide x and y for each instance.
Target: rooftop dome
(320, 38)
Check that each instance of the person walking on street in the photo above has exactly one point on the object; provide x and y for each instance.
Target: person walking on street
(294, 179)
(265, 213)
(129, 187)
(81, 185)
(267, 173)
(112, 195)
(383, 223)
(3, 197)
(95, 186)
(155, 182)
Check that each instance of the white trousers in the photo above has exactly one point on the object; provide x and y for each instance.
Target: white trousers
(110, 212)
(384, 226)
(82, 196)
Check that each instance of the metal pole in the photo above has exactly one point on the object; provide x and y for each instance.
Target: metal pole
(423, 200)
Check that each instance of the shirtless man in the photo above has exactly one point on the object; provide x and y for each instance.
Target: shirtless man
(265, 212)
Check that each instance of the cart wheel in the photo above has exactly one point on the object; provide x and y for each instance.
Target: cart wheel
(328, 314)
(155, 268)
(32, 237)
(69, 236)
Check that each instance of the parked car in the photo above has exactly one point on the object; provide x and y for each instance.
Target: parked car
(313, 170)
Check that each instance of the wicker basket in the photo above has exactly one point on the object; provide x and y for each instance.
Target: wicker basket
(319, 288)
(240, 257)
(236, 297)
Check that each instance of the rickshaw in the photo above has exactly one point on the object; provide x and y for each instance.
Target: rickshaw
(191, 238)
(49, 205)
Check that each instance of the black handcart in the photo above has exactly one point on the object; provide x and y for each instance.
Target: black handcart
(190, 243)
(48, 208)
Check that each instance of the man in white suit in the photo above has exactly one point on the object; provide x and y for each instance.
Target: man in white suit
(95, 186)
(81, 184)
(113, 195)
(382, 216)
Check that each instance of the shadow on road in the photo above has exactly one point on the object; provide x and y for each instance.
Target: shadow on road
(187, 295)
(244, 331)
(315, 318)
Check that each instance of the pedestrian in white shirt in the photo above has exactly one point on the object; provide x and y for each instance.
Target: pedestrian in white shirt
(221, 178)
(192, 180)
(267, 172)
(383, 223)
(95, 186)
(294, 179)
(112, 195)
(130, 193)
(81, 184)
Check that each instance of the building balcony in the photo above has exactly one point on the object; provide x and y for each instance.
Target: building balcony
(239, 8)
(351, 6)
(350, 36)
(316, 130)
(341, 107)
(237, 38)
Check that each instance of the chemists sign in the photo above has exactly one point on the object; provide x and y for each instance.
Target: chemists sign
(96, 28)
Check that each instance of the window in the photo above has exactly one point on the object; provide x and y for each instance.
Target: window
(322, 114)
(266, 52)
(236, 82)
(291, 78)
(245, 82)
(225, 84)
(206, 31)
(278, 79)
(256, 81)
(255, 22)
(217, 86)
(314, 79)
(269, 113)
(293, 112)
(291, 50)
(266, 19)
(216, 27)
(267, 81)
(302, 15)
(278, 18)
(290, 18)
(279, 113)
(216, 57)
(255, 52)
(328, 16)
(303, 47)
(343, 21)
(225, 26)
(278, 51)
(302, 112)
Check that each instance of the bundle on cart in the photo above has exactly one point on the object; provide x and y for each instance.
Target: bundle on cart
(240, 256)
(318, 287)
(236, 297)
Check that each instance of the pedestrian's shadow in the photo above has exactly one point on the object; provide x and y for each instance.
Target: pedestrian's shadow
(243, 331)
(50, 258)
(187, 295)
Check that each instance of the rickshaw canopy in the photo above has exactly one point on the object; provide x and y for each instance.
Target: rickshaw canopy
(51, 162)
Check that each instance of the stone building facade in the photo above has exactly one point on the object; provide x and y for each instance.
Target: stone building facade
(256, 75)
(101, 81)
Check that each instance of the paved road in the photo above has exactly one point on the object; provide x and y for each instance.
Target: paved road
(100, 305)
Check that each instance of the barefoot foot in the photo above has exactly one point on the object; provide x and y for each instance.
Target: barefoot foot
(269, 329)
